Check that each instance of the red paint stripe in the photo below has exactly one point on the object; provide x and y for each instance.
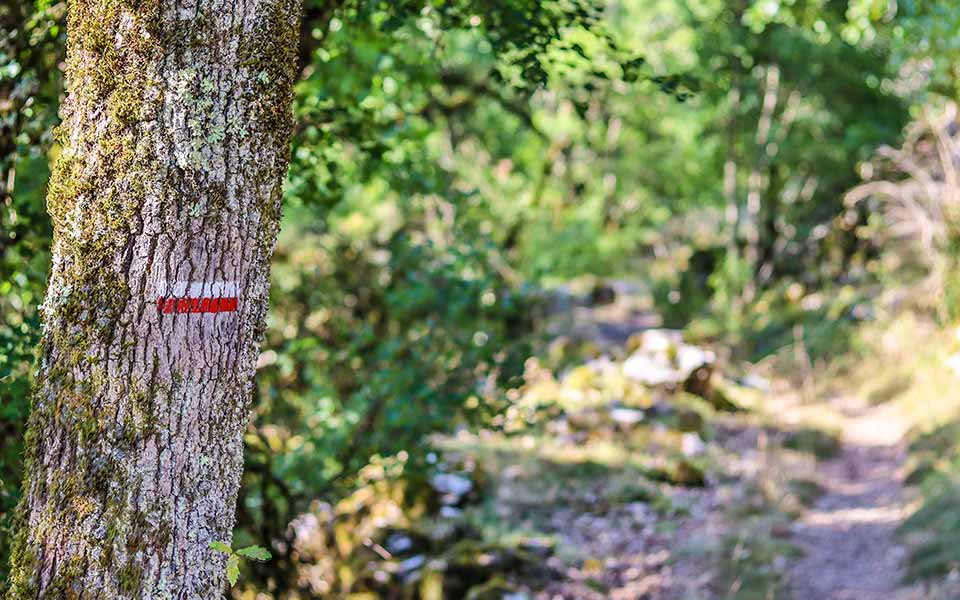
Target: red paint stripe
(181, 306)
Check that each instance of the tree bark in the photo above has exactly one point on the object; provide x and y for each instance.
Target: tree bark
(165, 200)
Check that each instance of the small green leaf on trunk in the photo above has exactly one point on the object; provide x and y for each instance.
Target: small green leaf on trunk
(221, 547)
(256, 553)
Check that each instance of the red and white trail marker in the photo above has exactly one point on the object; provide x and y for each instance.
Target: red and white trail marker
(187, 297)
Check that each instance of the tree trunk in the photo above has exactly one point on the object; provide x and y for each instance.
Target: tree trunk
(165, 201)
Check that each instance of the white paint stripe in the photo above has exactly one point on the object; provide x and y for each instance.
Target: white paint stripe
(197, 289)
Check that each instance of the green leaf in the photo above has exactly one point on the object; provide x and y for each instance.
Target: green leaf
(255, 552)
(221, 547)
(233, 569)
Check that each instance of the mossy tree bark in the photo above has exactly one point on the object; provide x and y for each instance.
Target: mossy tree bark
(165, 200)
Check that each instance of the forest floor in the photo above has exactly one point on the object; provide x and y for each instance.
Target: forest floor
(798, 496)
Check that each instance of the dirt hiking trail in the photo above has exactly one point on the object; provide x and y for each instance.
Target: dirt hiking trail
(848, 536)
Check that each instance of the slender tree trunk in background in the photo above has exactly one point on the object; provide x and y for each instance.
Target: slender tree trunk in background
(165, 201)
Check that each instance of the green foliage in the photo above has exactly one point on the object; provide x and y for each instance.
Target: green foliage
(233, 569)
(400, 317)
(935, 525)
(789, 107)
(31, 45)
(257, 553)
(754, 569)
(388, 343)
(939, 519)
(923, 37)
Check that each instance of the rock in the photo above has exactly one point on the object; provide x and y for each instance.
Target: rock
(398, 543)
(453, 487)
(662, 359)
(405, 543)
(690, 358)
(650, 370)
(411, 564)
(659, 340)
(626, 416)
(691, 444)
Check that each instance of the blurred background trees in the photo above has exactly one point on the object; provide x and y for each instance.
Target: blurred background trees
(455, 162)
